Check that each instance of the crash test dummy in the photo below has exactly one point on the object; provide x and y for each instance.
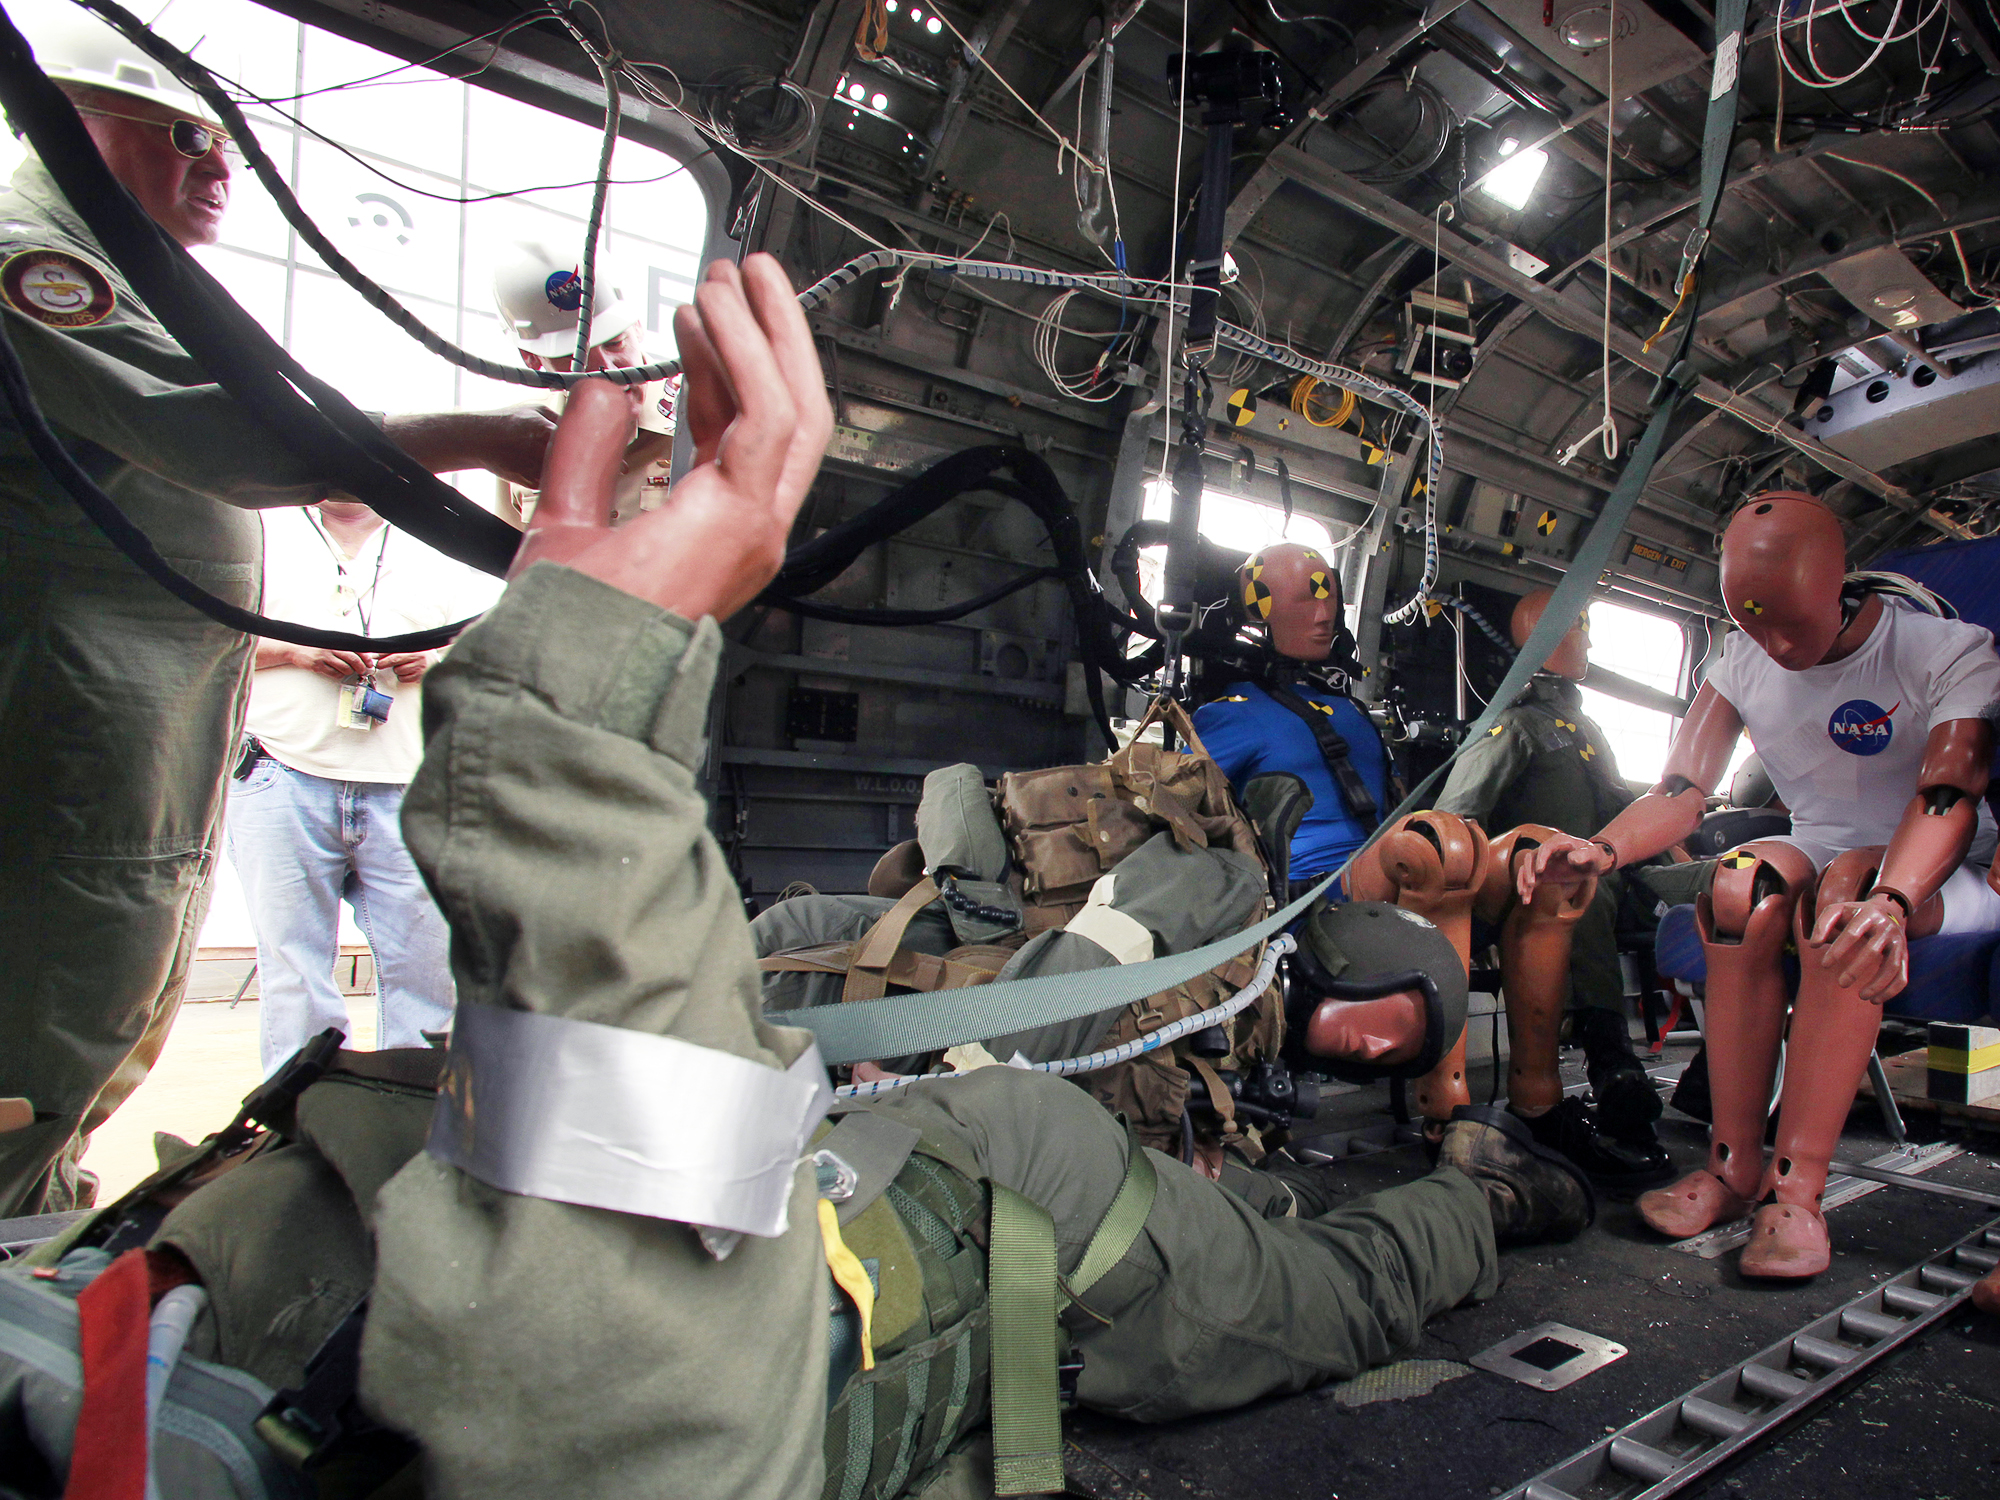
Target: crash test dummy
(1871, 719)
(1297, 719)
(631, 1262)
(121, 707)
(1545, 766)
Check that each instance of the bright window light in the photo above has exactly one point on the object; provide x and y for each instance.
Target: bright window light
(1515, 178)
(1646, 648)
(1229, 521)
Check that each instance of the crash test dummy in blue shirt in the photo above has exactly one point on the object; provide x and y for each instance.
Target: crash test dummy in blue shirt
(1297, 719)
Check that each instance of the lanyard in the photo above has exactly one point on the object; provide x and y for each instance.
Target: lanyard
(344, 587)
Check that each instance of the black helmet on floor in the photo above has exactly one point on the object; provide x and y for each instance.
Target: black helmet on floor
(1364, 950)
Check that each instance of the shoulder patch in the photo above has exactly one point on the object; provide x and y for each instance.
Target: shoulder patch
(57, 288)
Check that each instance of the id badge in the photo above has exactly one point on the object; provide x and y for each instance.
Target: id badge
(361, 706)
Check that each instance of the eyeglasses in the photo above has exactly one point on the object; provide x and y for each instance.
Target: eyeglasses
(191, 138)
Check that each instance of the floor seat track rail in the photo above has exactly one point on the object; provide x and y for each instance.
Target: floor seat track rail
(1677, 1443)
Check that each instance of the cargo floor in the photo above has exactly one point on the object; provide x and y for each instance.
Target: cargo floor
(1923, 1425)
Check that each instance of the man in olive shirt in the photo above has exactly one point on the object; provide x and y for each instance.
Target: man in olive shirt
(120, 705)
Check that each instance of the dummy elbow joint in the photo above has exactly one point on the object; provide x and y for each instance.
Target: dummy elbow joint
(1939, 800)
(1673, 786)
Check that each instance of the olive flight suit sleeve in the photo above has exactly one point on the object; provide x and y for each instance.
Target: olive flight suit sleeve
(534, 1347)
(1483, 773)
(124, 385)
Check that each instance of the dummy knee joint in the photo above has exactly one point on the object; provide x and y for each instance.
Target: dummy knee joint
(1430, 856)
(1746, 885)
(1553, 902)
(1848, 877)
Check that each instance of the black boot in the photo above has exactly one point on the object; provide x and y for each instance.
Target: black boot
(1627, 1102)
(1614, 1166)
(1690, 1095)
(1532, 1192)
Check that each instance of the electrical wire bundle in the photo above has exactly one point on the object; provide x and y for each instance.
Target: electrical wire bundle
(1094, 384)
(1820, 78)
(1428, 141)
(758, 113)
(1305, 403)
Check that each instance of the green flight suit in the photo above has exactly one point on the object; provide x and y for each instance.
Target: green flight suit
(1544, 762)
(539, 1348)
(120, 707)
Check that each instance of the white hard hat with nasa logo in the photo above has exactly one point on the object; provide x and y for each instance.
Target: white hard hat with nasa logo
(538, 292)
(76, 48)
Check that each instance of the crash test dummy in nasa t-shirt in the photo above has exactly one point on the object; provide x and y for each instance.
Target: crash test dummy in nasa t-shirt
(1872, 721)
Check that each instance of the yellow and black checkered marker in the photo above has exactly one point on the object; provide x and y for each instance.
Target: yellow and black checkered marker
(1242, 407)
(1545, 523)
(1565, 724)
(1257, 593)
(1753, 606)
(1324, 708)
(1588, 752)
(1497, 729)
(1738, 859)
(1322, 587)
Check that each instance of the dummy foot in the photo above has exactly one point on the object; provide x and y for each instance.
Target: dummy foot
(1787, 1240)
(1698, 1201)
(1614, 1166)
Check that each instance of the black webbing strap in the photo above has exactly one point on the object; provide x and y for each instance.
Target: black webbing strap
(334, 438)
(1354, 794)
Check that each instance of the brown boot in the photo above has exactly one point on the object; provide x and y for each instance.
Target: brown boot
(1533, 1193)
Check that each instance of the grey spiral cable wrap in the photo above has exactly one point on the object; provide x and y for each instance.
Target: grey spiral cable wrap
(1485, 625)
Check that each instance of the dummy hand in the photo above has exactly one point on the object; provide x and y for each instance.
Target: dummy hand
(1563, 861)
(754, 400)
(407, 665)
(335, 664)
(1863, 942)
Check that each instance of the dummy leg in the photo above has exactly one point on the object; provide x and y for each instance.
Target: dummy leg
(1833, 1031)
(1744, 921)
(1433, 864)
(1536, 949)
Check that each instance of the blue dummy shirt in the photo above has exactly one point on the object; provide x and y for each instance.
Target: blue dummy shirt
(1249, 735)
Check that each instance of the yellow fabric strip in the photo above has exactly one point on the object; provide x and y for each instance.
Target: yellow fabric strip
(850, 1276)
(1956, 1060)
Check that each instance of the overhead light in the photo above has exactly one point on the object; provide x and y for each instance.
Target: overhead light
(879, 101)
(1230, 271)
(1514, 179)
(934, 26)
(855, 91)
(1586, 29)
(891, 7)
(1509, 144)
(915, 14)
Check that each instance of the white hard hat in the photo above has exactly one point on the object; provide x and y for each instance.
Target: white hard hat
(73, 46)
(538, 292)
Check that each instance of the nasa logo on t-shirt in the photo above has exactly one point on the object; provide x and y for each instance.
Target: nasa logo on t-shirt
(1862, 728)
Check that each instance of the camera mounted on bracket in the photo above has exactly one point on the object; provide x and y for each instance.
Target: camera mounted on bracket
(1232, 85)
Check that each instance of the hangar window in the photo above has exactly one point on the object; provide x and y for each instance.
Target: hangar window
(1646, 648)
(380, 158)
(1233, 521)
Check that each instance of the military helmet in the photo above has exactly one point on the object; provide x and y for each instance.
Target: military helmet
(1365, 950)
(539, 291)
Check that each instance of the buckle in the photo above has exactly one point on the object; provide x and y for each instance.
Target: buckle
(1069, 1369)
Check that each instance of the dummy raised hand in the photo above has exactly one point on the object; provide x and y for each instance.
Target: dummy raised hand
(755, 403)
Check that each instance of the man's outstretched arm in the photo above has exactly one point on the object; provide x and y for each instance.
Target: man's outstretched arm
(532, 1345)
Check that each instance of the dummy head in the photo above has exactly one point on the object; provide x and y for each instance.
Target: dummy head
(1783, 560)
(1571, 655)
(1378, 992)
(1294, 592)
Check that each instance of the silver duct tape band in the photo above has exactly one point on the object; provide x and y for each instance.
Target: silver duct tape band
(609, 1118)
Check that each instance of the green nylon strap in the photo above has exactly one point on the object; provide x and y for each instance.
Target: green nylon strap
(1021, 1293)
(1717, 136)
(905, 1024)
(1122, 1221)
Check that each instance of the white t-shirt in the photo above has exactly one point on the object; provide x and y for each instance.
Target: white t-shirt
(1844, 742)
(416, 588)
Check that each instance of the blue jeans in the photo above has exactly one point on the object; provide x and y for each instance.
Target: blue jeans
(300, 843)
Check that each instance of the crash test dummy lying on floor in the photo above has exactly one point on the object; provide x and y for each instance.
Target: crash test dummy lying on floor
(539, 1347)
(1871, 718)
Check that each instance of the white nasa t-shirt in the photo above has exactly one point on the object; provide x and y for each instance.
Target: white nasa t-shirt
(1844, 742)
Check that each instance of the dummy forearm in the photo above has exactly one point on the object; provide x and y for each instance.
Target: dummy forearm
(1937, 827)
(1654, 823)
(534, 1347)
